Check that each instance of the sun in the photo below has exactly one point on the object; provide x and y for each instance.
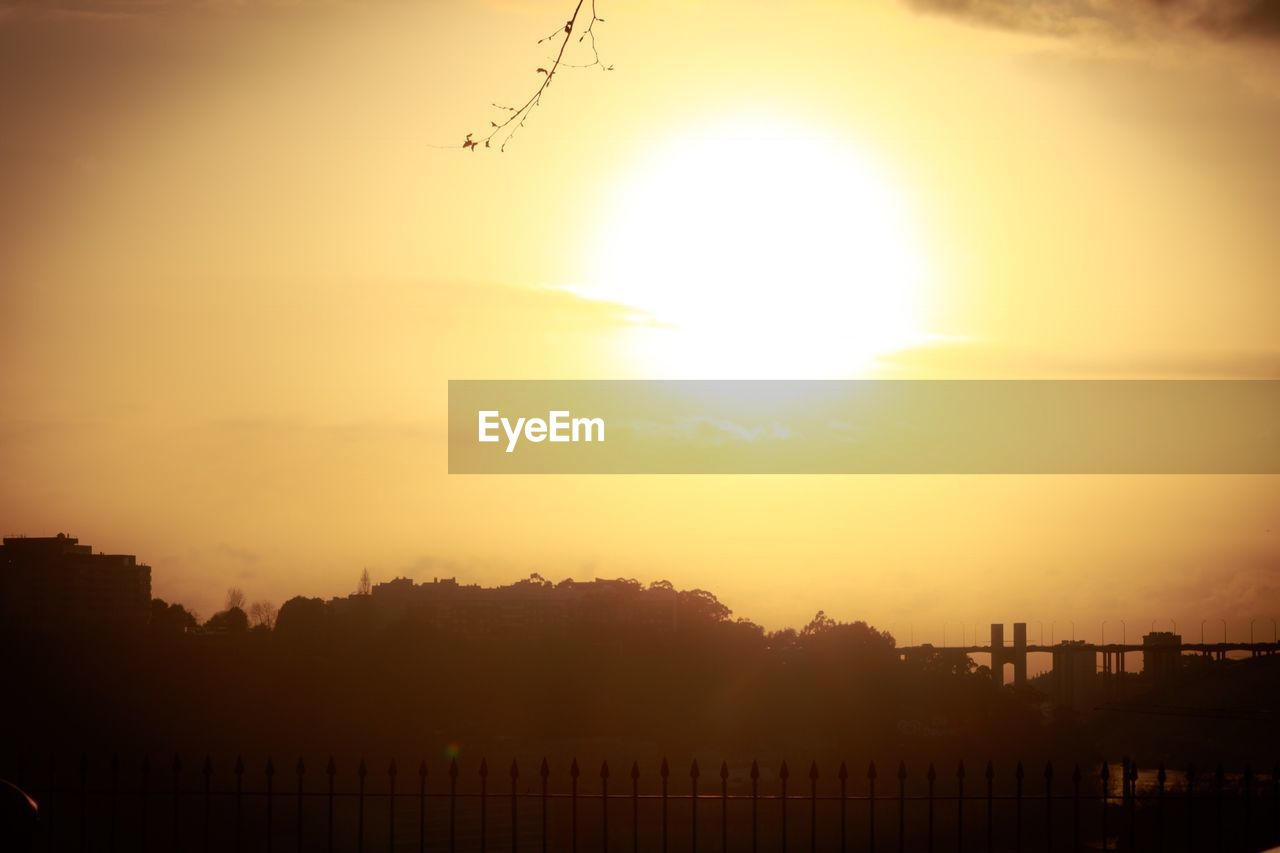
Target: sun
(761, 250)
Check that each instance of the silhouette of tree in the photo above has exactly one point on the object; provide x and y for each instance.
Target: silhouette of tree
(302, 619)
(171, 618)
(700, 605)
(235, 598)
(233, 620)
(262, 614)
(365, 586)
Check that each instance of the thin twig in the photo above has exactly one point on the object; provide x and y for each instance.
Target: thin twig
(504, 131)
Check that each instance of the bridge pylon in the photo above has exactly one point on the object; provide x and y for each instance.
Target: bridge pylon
(1015, 654)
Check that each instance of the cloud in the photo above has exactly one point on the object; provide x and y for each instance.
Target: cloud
(1068, 18)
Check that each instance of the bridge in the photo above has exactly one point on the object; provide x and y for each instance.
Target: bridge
(1075, 672)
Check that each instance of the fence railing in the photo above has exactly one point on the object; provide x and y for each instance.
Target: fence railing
(140, 805)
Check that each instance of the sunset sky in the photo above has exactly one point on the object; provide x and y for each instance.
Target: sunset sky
(242, 253)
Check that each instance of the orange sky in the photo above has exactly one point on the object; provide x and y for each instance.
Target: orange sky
(237, 276)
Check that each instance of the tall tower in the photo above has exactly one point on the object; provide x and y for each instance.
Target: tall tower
(1015, 654)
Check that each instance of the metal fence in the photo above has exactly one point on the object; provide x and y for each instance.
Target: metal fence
(138, 805)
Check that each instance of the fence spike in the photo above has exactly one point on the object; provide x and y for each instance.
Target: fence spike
(271, 767)
(991, 771)
(755, 769)
(544, 771)
(362, 770)
(514, 771)
(604, 769)
(422, 769)
(1018, 773)
(331, 768)
(1048, 770)
(843, 773)
(391, 769)
(960, 770)
(573, 769)
(693, 769)
(932, 774)
(1161, 776)
(871, 771)
(724, 771)
(783, 773)
(207, 769)
(177, 765)
(239, 768)
(664, 771)
(484, 768)
(635, 770)
(902, 771)
(813, 770)
(453, 768)
(1075, 774)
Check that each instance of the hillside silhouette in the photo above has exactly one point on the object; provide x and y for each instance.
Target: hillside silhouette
(404, 668)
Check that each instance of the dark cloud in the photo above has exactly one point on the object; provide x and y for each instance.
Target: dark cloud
(1221, 18)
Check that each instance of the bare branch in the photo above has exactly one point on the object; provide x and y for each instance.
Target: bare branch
(502, 132)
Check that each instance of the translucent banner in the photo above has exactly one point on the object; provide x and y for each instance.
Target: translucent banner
(865, 427)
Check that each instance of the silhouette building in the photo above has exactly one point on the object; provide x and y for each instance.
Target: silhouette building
(1073, 680)
(54, 583)
(1161, 656)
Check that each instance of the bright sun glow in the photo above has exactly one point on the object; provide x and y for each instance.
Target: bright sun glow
(761, 251)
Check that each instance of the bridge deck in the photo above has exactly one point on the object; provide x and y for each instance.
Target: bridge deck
(1266, 648)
